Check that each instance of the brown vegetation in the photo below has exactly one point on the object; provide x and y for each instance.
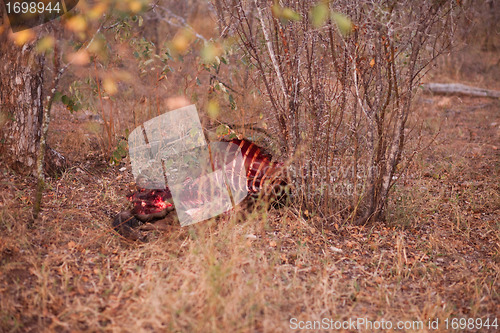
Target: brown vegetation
(340, 79)
(436, 255)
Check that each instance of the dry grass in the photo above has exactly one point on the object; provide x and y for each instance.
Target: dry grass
(436, 257)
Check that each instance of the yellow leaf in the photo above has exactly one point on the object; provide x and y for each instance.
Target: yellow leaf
(213, 108)
(109, 86)
(76, 24)
(182, 40)
(22, 37)
(372, 62)
(210, 52)
(97, 10)
(98, 46)
(135, 6)
(45, 44)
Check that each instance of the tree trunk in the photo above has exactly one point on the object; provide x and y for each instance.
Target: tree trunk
(21, 108)
(21, 104)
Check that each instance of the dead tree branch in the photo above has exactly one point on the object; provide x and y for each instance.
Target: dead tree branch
(459, 89)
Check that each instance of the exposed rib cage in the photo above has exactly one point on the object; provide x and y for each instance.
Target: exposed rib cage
(263, 175)
(264, 178)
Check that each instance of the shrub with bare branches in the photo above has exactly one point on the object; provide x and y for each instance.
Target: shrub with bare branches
(339, 78)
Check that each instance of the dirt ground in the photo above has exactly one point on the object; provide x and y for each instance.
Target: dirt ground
(436, 258)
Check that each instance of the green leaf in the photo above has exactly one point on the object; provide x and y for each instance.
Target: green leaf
(65, 99)
(343, 23)
(285, 14)
(319, 14)
(121, 151)
(57, 96)
(231, 102)
(290, 15)
(222, 130)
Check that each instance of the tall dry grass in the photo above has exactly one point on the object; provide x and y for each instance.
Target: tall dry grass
(436, 257)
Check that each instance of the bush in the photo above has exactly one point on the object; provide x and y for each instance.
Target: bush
(339, 79)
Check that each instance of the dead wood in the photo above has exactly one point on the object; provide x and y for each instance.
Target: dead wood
(459, 89)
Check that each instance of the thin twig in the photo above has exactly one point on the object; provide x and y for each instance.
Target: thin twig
(271, 51)
(45, 125)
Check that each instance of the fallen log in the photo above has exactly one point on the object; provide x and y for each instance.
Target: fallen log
(459, 89)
